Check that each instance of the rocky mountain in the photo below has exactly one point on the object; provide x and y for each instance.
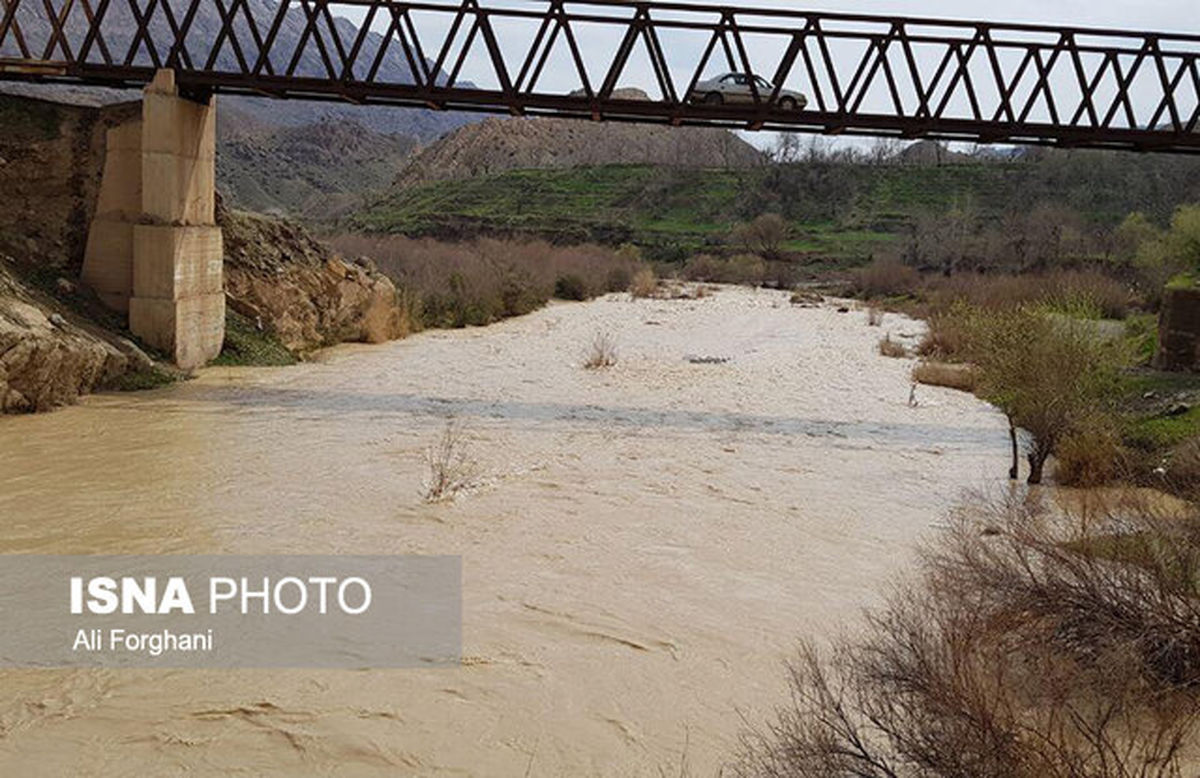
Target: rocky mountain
(119, 29)
(499, 144)
(314, 172)
(931, 152)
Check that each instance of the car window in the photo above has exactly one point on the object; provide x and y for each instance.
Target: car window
(739, 79)
(762, 85)
(729, 79)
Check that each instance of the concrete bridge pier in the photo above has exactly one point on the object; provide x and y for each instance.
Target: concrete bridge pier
(154, 250)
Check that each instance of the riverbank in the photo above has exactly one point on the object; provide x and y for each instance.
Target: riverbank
(642, 548)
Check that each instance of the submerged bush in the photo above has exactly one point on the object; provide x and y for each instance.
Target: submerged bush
(602, 353)
(451, 467)
(1091, 455)
(1029, 647)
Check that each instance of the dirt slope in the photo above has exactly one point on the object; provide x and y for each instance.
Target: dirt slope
(496, 145)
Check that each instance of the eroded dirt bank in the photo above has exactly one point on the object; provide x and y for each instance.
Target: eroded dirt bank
(646, 545)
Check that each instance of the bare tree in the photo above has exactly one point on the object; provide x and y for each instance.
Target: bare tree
(788, 148)
(1050, 376)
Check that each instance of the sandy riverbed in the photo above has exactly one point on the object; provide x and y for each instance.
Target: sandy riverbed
(646, 545)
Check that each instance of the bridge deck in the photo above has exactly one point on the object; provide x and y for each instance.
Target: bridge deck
(862, 75)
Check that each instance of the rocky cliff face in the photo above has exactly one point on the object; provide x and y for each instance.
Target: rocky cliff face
(49, 354)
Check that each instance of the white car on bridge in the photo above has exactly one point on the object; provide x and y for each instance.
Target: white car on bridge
(734, 89)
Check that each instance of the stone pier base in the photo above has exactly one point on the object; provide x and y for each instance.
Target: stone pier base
(154, 249)
(1179, 331)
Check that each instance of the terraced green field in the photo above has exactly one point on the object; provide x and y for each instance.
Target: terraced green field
(840, 213)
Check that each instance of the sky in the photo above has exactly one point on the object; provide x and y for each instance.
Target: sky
(1159, 15)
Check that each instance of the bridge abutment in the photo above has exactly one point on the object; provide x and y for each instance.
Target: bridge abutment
(154, 249)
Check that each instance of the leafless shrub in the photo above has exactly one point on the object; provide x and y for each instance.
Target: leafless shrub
(886, 277)
(951, 376)
(1081, 292)
(644, 284)
(1038, 649)
(946, 334)
(892, 348)
(1183, 471)
(602, 353)
(765, 235)
(745, 269)
(481, 281)
(704, 267)
(451, 468)
(806, 298)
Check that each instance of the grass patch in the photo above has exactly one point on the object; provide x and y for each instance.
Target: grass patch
(154, 378)
(671, 213)
(1165, 431)
(1154, 406)
(245, 345)
(838, 214)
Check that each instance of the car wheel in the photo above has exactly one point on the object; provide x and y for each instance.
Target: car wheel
(788, 104)
(714, 98)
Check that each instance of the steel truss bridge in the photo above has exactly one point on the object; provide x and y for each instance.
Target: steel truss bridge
(863, 75)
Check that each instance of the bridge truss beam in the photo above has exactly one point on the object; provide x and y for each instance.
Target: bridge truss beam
(863, 75)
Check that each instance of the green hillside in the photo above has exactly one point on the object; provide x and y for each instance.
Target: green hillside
(839, 212)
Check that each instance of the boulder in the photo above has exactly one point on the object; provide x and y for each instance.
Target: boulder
(300, 291)
(45, 360)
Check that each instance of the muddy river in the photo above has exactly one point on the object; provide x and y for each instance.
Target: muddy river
(641, 551)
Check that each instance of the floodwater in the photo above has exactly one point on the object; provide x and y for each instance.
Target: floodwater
(642, 549)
